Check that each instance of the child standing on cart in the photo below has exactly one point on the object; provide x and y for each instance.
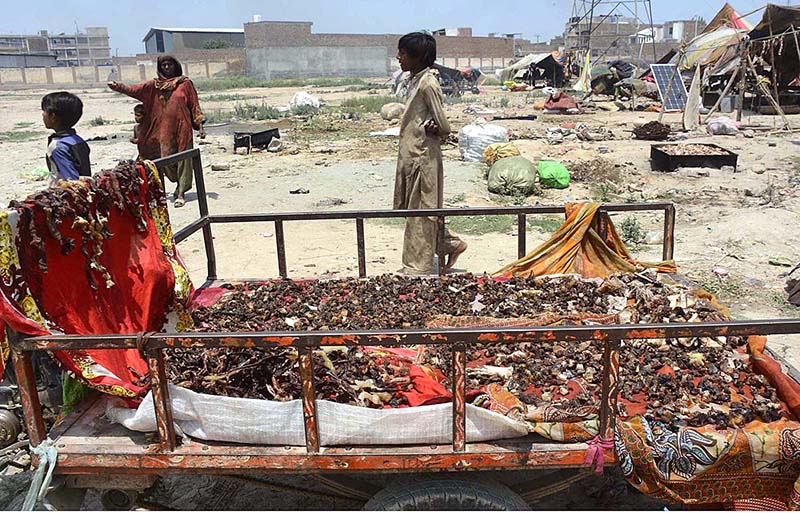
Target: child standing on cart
(420, 172)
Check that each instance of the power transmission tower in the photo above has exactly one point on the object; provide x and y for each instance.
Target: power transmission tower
(617, 28)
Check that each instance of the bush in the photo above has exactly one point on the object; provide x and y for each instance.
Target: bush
(257, 112)
(243, 82)
(305, 110)
(368, 103)
(215, 44)
(631, 231)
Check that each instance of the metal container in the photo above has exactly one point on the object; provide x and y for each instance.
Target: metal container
(660, 160)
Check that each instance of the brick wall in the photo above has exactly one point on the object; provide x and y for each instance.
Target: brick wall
(268, 34)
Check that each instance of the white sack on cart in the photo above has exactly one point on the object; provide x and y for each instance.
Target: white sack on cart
(255, 421)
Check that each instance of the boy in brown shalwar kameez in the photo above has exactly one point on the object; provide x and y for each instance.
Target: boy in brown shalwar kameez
(420, 173)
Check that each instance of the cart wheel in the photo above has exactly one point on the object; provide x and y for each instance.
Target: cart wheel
(443, 493)
(10, 428)
(118, 500)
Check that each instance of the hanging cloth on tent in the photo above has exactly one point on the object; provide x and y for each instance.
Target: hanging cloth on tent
(586, 244)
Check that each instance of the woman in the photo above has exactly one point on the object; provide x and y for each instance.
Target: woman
(171, 112)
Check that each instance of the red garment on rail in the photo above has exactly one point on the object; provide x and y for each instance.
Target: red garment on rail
(138, 301)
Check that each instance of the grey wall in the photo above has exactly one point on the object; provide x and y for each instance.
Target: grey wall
(27, 61)
(317, 61)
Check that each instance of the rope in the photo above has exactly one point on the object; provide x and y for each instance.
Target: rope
(48, 456)
(594, 453)
(142, 341)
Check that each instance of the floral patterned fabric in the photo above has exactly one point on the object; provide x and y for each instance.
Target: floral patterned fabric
(148, 280)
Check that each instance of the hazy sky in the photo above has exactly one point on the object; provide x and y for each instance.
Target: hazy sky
(129, 20)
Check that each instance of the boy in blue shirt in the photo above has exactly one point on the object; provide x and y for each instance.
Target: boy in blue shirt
(67, 154)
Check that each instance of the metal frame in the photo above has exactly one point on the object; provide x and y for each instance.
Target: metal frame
(166, 457)
(206, 220)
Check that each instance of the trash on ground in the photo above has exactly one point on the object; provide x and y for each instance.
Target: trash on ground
(512, 176)
(497, 151)
(553, 174)
(475, 137)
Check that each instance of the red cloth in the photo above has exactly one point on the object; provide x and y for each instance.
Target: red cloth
(170, 115)
(560, 101)
(138, 301)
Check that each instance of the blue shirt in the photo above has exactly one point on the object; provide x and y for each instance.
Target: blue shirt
(67, 156)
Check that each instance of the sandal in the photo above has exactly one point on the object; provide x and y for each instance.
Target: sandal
(180, 202)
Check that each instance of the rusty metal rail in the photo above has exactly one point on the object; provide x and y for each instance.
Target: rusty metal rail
(279, 219)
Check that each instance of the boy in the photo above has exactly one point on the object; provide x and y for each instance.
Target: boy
(420, 172)
(138, 116)
(67, 154)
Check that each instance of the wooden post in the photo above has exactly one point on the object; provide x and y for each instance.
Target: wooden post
(742, 82)
(725, 92)
(772, 101)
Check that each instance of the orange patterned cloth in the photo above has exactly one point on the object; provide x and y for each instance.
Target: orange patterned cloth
(586, 244)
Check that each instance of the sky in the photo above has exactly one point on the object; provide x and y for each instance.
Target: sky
(129, 20)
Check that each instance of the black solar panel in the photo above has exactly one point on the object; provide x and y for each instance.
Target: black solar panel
(673, 97)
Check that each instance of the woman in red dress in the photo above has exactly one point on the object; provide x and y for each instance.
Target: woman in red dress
(172, 111)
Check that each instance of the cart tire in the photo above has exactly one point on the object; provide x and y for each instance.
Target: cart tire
(442, 493)
(118, 500)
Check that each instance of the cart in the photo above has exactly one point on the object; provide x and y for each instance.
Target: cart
(94, 453)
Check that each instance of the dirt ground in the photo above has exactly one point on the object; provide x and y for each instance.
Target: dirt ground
(730, 225)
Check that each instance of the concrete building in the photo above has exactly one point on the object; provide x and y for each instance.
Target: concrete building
(176, 40)
(682, 31)
(26, 60)
(90, 48)
(284, 49)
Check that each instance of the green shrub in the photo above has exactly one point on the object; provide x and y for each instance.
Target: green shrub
(368, 103)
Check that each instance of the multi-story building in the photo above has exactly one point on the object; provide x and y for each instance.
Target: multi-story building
(90, 48)
(177, 40)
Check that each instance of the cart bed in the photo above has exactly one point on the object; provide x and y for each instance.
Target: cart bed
(87, 443)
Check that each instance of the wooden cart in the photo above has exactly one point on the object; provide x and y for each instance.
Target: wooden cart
(95, 453)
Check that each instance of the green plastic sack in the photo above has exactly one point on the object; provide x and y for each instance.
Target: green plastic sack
(553, 174)
(512, 176)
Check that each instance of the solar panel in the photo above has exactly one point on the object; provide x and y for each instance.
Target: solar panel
(674, 95)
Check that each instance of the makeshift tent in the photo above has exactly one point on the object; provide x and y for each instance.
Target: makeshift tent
(727, 17)
(532, 67)
(775, 36)
(586, 244)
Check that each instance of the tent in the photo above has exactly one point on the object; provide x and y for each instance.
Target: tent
(536, 66)
(727, 17)
(775, 35)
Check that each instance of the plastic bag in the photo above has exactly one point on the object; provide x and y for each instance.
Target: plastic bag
(474, 138)
(303, 98)
(513, 176)
(553, 174)
(497, 151)
(722, 126)
(392, 111)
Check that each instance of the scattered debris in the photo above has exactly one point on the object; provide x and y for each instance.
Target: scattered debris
(299, 191)
(220, 167)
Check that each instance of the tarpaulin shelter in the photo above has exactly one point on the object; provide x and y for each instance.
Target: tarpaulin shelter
(536, 66)
(776, 36)
(727, 17)
(586, 244)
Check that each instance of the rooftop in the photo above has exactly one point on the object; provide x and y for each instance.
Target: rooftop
(195, 29)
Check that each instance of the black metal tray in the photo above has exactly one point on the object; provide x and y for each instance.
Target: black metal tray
(663, 161)
(252, 140)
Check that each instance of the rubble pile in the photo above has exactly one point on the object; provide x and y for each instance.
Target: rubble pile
(678, 381)
(652, 131)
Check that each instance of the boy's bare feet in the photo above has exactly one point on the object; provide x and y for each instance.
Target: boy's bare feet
(453, 255)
